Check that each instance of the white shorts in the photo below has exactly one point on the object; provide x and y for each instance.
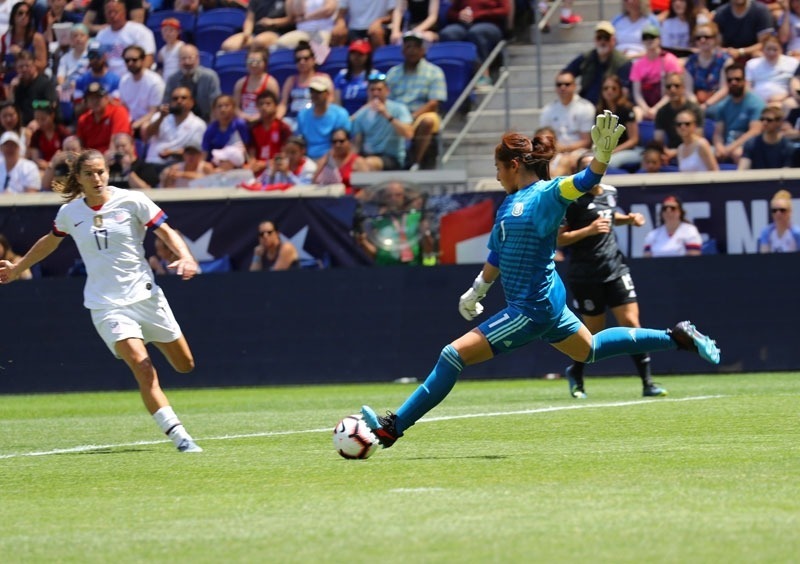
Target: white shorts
(150, 320)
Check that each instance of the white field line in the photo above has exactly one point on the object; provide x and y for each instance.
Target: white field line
(89, 448)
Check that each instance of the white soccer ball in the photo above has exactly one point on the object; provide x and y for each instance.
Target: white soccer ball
(352, 439)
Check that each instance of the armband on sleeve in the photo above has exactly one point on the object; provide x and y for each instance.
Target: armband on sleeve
(493, 259)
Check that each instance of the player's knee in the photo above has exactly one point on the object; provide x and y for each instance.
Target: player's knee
(184, 365)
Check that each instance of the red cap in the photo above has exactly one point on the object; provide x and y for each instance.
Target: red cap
(361, 46)
(171, 22)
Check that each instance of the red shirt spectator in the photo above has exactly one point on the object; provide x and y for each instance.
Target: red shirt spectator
(103, 119)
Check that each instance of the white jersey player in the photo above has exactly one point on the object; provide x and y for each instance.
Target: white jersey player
(128, 309)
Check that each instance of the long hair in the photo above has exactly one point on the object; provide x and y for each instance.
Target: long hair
(72, 189)
(30, 28)
(535, 155)
(621, 101)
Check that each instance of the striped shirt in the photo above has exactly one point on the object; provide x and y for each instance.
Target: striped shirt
(416, 88)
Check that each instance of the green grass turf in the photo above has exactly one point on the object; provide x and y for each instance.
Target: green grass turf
(615, 478)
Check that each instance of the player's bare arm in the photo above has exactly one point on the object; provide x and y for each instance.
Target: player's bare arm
(185, 266)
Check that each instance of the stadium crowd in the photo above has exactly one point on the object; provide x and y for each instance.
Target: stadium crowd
(269, 94)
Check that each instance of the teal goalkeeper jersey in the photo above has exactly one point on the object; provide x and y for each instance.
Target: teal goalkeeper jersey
(524, 238)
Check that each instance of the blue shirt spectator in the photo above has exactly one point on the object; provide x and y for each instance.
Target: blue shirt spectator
(317, 123)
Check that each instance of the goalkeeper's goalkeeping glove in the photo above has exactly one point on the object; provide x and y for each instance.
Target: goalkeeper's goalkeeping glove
(606, 132)
(469, 305)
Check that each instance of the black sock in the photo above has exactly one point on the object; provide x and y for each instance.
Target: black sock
(642, 362)
(576, 371)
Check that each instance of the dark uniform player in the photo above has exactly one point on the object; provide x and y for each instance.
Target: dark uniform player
(598, 276)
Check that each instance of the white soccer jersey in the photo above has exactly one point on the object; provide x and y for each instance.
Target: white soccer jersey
(109, 240)
(661, 244)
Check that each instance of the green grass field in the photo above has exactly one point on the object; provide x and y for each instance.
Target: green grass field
(502, 471)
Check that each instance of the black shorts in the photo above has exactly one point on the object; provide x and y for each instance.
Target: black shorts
(594, 299)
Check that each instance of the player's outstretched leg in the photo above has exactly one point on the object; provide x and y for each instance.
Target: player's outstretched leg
(688, 338)
(574, 374)
(384, 428)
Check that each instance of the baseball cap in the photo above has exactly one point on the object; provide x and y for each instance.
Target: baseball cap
(12, 137)
(171, 22)
(414, 36)
(96, 49)
(95, 88)
(651, 30)
(193, 146)
(361, 46)
(605, 27)
(318, 84)
(230, 153)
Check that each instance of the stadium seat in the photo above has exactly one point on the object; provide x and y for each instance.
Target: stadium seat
(231, 59)
(206, 59)
(338, 56)
(457, 75)
(646, 131)
(282, 57)
(211, 37)
(386, 57)
(460, 50)
(228, 77)
(232, 18)
(728, 166)
(217, 265)
(708, 130)
(282, 72)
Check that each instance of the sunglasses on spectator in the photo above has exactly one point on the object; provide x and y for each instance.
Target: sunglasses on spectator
(176, 98)
(262, 233)
(669, 207)
(602, 37)
(303, 58)
(683, 123)
(770, 120)
(779, 210)
(560, 84)
(648, 37)
(254, 61)
(735, 79)
(671, 86)
(702, 37)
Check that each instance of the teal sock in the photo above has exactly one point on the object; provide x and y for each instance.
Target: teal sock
(619, 341)
(433, 390)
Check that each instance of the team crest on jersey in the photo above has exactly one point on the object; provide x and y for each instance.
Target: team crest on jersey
(98, 221)
(516, 211)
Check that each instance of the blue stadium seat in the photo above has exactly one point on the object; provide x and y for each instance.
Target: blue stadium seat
(206, 59)
(708, 130)
(210, 38)
(338, 56)
(232, 18)
(228, 77)
(217, 265)
(646, 131)
(457, 75)
(235, 59)
(610, 170)
(386, 57)
(187, 20)
(727, 166)
(281, 57)
(460, 50)
(282, 72)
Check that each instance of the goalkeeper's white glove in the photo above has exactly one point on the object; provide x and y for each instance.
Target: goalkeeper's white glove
(469, 305)
(606, 132)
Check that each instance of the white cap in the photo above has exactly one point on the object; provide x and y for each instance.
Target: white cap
(10, 136)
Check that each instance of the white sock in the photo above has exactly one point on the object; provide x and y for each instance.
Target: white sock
(171, 425)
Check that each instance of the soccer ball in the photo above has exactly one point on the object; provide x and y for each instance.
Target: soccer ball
(353, 439)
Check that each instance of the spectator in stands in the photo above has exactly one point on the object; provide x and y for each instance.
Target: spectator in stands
(340, 162)
(652, 158)
(291, 166)
(780, 236)
(122, 33)
(594, 66)
(272, 251)
(30, 85)
(417, 16)
(398, 233)
(381, 128)
(230, 157)
(350, 84)
(168, 57)
(98, 72)
(140, 89)
(313, 21)
(163, 258)
(482, 22)
(7, 253)
(676, 236)
(295, 95)
(768, 76)
(421, 86)
(769, 149)
(227, 129)
(71, 65)
(629, 25)
(49, 136)
(703, 68)
(562, 164)
(266, 20)
(744, 25)
(57, 14)
(192, 167)
(193, 6)
(269, 135)
(317, 123)
(666, 131)
(17, 174)
(627, 153)
(737, 117)
(11, 120)
(96, 20)
(648, 73)
(173, 128)
(362, 19)
(55, 175)
(694, 152)
(125, 168)
(789, 28)
(676, 28)
(103, 118)
(203, 83)
(256, 81)
(22, 36)
(570, 116)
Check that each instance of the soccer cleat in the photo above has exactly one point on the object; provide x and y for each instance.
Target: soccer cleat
(188, 445)
(382, 427)
(688, 338)
(653, 391)
(570, 21)
(575, 388)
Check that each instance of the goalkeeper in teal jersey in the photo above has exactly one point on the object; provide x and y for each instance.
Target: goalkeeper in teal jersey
(521, 249)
